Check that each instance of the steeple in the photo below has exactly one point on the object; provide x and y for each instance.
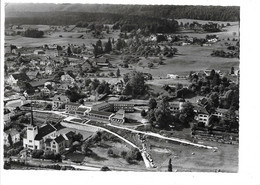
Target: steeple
(32, 123)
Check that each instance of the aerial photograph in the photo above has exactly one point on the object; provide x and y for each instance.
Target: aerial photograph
(121, 87)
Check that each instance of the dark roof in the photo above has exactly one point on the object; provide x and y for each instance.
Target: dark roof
(100, 113)
(59, 139)
(21, 76)
(45, 130)
(70, 134)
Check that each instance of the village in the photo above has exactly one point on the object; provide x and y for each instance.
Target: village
(108, 97)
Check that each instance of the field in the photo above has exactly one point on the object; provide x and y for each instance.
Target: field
(189, 158)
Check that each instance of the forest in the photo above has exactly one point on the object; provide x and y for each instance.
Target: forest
(211, 13)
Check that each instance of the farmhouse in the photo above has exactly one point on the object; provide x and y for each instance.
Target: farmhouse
(67, 79)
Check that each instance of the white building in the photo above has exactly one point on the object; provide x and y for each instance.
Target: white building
(172, 76)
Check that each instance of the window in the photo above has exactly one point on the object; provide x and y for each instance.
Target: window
(30, 141)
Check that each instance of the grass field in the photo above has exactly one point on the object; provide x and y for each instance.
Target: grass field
(189, 158)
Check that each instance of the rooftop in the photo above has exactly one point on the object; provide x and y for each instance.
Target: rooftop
(59, 139)
(12, 132)
(100, 113)
(45, 130)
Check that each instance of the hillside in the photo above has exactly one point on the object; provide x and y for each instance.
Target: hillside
(212, 13)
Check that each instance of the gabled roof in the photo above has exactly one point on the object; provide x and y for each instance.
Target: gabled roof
(45, 130)
(73, 104)
(21, 76)
(59, 139)
(12, 132)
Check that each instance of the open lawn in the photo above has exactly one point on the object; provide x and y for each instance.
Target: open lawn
(189, 158)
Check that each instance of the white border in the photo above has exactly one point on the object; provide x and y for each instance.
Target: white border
(249, 124)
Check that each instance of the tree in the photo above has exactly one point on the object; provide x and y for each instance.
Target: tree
(137, 83)
(69, 51)
(143, 113)
(118, 72)
(187, 113)
(108, 46)
(10, 140)
(163, 114)
(110, 152)
(232, 70)
(170, 165)
(150, 65)
(123, 154)
(151, 116)
(152, 103)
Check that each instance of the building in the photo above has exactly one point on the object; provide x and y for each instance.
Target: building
(105, 106)
(39, 52)
(71, 107)
(220, 112)
(99, 115)
(7, 115)
(56, 145)
(48, 70)
(15, 136)
(33, 74)
(67, 79)
(62, 88)
(36, 137)
(119, 117)
(13, 79)
(58, 101)
(124, 105)
(82, 110)
(172, 76)
(202, 115)
(46, 91)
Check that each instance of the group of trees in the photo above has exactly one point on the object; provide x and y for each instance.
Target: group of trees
(98, 47)
(229, 54)
(135, 84)
(159, 114)
(33, 33)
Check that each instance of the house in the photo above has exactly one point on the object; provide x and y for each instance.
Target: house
(102, 62)
(71, 107)
(202, 115)
(100, 115)
(56, 145)
(34, 62)
(172, 76)
(119, 117)
(48, 70)
(67, 79)
(119, 86)
(46, 90)
(39, 52)
(33, 74)
(13, 79)
(62, 88)
(15, 136)
(220, 112)
(7, 115)
(36, 137)
(58, 101)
